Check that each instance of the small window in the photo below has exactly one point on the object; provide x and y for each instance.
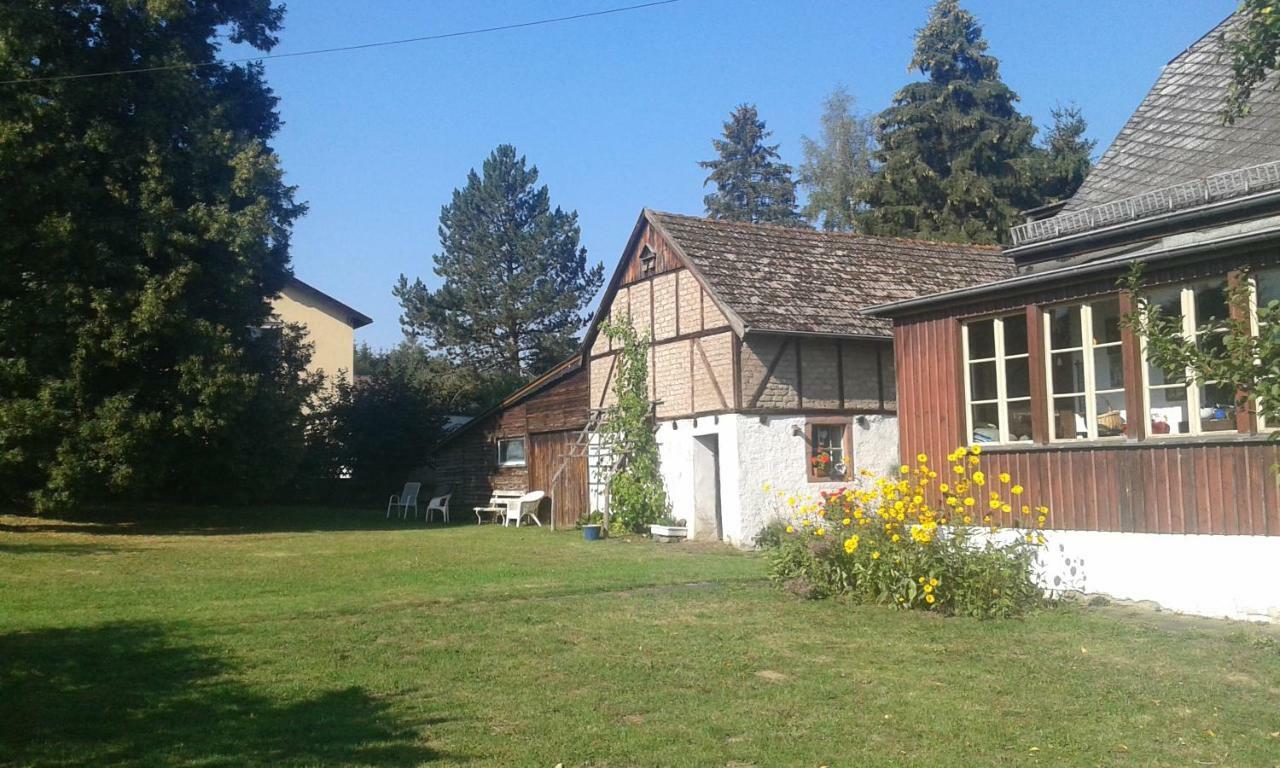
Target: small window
(828, 451)
(998, 380)
(1086, 370)
(511, 452)
(1266, 289)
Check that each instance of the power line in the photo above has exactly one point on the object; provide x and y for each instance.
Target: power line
(343, 48)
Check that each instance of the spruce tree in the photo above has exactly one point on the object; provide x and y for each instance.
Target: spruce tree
(1065, 156)
(751, 182)
(146, 225)
(837, 164)
(516, 280)
(953, 148)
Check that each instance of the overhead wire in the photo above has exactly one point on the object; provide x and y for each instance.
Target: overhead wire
(341, 48)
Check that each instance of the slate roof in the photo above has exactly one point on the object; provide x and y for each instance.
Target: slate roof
(778, 279)
(1176, 135)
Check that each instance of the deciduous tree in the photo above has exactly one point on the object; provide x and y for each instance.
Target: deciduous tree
(836, 164)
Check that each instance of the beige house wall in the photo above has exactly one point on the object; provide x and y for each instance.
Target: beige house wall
(332, 339)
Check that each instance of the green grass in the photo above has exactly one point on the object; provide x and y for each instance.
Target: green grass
(322, 638)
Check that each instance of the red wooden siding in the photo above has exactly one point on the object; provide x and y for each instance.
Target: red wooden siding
(1147, 486)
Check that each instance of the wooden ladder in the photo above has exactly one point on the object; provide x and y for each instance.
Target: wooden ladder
(582, 448)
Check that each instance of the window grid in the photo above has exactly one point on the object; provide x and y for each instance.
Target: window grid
(1192, 390)
(1254, 302)
(1088, 346)
(1001, 361)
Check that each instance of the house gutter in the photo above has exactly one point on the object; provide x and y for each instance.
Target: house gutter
(1075, 273)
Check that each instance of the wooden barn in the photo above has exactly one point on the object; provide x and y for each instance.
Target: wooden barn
(1161, 484)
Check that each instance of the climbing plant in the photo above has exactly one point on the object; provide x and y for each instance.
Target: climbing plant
(637, 497)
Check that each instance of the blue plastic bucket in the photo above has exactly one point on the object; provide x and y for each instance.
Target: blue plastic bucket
(591, 532)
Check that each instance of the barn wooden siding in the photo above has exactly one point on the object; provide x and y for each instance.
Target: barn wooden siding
(1218, 485)
(549, 418)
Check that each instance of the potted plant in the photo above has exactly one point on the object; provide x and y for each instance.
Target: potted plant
(821, 464)
(669, 529)
(592, 525)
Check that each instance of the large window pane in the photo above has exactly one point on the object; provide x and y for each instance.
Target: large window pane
(1268, 282)
(1106, 321)
(1169, 411)
(1217, 408)
(1064, 327)
(982, 381)
(1111, 415)
(1019, 420)
(986, 423)
(1211, 304)
(982, 340)
(1067, 371)
(1015, 336)
(1108, 368)
(1069, 418)
(1157, 376)
(1017, 377)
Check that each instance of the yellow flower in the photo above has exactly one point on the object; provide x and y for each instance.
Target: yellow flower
(944, 487)
(928, 589)
(791, 501)
(820, 532)
(1016, 490)
(851, 544)
(979, 478)
(904, 469)
(973, 461)
(766, 487)
(805, 523)
(959, 470)
(846, 521)
(922, 458)
(791, 529)
(895, 538)
(1005, 508)
(968, 501)
(967, 519)
(928, 599)
(921, 579)
(976, 449)
(1040, 539)
(994, 504)
(875, 555)
(1004, 477)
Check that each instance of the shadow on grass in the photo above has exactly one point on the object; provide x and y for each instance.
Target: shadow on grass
(212, 521)
(129, 694)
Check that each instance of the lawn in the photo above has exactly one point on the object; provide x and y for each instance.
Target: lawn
(326, 638)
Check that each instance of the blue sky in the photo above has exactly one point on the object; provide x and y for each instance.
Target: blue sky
(616, 111)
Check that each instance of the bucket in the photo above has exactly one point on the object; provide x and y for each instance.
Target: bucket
(591, 532)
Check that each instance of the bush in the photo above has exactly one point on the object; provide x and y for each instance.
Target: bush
(915, 542)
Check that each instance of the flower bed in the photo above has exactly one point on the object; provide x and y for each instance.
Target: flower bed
(954, 541)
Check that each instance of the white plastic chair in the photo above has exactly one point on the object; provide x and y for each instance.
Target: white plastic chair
(527, 506)
(406, 499)
(439, 504)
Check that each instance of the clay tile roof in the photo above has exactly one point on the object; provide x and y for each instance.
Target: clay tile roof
(778, 279)
(1176, 135)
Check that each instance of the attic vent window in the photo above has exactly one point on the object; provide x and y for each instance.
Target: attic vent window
(648, 259)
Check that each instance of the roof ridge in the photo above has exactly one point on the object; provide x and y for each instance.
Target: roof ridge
(809, 231)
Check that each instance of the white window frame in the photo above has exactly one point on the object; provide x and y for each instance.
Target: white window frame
(1086, 349)
(1002, 395)
(524, 462)
(1255, 329)
(1190, 330)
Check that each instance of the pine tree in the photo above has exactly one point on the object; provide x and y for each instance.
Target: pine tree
(953, 148)
(146, 224)
(837, 164)
(515, 279)
(1059, 166)
(751, 183)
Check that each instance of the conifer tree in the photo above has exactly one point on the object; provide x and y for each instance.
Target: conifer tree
(146, 225)
(516, 280)
(1064, 157)
(953, 148)
(837, 164)
(751, 183)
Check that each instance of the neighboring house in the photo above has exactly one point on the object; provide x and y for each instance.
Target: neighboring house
(759, 361)
(330, 327)
(1159, 489)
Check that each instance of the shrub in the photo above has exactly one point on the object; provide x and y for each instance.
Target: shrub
(960, 544)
